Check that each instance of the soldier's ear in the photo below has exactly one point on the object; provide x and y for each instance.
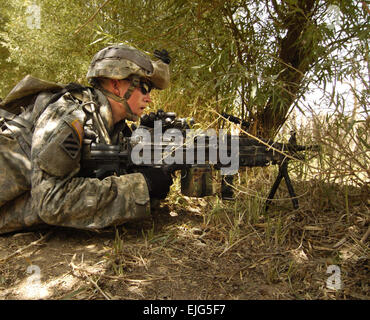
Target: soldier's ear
(114, 84)
(117, 87)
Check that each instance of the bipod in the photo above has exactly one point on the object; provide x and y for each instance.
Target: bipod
(283, 173)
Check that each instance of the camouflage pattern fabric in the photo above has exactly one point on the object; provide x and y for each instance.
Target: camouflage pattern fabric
(15, 168)
(58, 196)
(17, 215)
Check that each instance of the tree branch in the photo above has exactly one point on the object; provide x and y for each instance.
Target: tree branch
(91, 18)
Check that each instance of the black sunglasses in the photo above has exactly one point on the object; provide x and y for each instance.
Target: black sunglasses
(145, 87)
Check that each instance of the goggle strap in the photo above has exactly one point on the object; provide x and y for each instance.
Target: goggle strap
(134, 83)
(130, 115)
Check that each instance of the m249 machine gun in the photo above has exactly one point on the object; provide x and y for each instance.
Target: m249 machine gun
(163, 140)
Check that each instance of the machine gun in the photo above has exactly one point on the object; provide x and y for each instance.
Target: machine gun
(195, 159)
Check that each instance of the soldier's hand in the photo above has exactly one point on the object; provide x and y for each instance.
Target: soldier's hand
(158, 180)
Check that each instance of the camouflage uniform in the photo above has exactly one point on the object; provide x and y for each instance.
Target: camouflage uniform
(54, 193)
(58, 196)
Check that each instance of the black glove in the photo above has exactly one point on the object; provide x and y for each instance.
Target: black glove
(158, 180)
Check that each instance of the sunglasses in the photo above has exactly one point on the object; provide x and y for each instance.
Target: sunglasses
(145, 87)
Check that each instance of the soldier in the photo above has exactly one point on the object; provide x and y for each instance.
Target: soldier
(122, 78)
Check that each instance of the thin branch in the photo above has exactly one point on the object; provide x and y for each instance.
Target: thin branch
(91, 18)
(365, 236)
(26, 247)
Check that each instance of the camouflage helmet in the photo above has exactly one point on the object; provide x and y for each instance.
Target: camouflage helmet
(121, 61)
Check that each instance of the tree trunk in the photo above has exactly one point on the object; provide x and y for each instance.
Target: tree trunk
(295, 58)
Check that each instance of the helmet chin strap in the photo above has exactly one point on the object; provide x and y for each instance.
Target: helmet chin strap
(134, 83)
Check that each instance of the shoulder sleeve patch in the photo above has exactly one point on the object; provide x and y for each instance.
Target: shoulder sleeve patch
(71, 145)
(72, 142)
(61, 154)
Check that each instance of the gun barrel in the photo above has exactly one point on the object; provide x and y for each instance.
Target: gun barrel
(236, 120)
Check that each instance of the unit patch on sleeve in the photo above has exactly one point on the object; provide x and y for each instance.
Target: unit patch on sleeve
(73, 142)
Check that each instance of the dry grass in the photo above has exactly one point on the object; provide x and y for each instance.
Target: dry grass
(234, 250)
(210, 249)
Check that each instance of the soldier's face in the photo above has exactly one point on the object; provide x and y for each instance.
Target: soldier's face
(138, 101)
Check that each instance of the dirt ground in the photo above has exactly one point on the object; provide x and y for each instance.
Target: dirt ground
(179, 255)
